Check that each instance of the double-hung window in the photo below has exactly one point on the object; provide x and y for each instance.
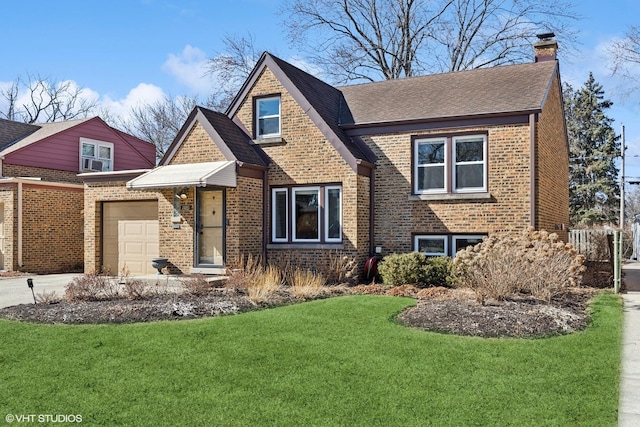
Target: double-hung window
(267, 117)
(452, 164)
(306, 214)
(95, 155)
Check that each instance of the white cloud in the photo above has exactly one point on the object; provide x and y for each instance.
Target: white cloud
(144, 93)
(189, 67)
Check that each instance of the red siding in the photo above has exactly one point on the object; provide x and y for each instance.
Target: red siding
(62, 151)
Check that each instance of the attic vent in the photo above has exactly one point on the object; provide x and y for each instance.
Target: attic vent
(92, 164)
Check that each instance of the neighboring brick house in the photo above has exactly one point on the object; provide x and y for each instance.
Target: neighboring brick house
(41, 195)
(297, 168)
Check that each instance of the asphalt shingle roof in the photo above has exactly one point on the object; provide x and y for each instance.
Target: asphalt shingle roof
(238, 142)
(497, 90)
(11, 131)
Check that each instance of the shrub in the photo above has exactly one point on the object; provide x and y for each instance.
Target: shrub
(533, 262)
(306, 284)
(416, 269)
(196, 285)
(439, 271)
(91, 287)
(135, 288)
(47, 297)
(243, 273)
(338, 268)
(265, 283)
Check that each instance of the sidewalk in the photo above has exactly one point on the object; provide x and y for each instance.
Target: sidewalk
(629, 407)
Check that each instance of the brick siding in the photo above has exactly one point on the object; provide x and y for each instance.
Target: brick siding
(46, 174)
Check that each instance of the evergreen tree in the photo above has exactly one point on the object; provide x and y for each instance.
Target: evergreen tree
(594, 192)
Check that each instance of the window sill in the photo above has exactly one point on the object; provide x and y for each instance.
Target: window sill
(305, 246)
(451, 196)
(276, 140)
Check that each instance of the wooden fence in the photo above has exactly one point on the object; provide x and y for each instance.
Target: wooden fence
(593, 244)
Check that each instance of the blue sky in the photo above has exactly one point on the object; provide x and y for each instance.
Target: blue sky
(136, 50)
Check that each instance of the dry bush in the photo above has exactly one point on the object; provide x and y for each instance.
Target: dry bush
(533, 262)
(91, 287)
(403, 291)
(266, 282)
(243, 272)
(197, 285)
(47, 297)
(306, 284)
(338, 268)
(136, 288)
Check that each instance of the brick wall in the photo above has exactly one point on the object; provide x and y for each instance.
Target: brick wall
(397, 216)
(9, 170)
(95, 194)
(197, 147)
(52, 228)
(306, 157)
(552, 167)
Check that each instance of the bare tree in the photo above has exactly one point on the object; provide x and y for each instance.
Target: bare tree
(42, 99)
(625, 56)
(159, 122)
(232, 67)
(373, 39)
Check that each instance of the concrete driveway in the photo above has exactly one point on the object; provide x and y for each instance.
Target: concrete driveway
(14, 290)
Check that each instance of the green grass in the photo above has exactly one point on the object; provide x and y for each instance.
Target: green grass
(340, 361)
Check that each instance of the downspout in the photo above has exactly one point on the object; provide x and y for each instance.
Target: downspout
(532, 170)
(372, 213)
(265, 211)
(20, 263)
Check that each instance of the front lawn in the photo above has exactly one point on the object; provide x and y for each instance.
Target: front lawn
(339, 361)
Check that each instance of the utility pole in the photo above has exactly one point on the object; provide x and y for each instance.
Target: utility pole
(623, 148)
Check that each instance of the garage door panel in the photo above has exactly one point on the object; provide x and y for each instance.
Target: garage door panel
(140, 219)
(137, 245)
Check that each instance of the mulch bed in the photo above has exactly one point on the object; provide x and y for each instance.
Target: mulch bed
(438, 310)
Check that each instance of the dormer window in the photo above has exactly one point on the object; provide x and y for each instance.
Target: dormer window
(95, 156)
(268, 117)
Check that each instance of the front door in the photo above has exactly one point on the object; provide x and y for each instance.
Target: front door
(210, 228)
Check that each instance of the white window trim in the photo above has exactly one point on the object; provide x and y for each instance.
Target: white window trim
(295, 190)
(443, 237)
(273, 215)
(417, 165)
(258, 117)
(455, 164)
(97, 144)
(457, 237)
(326, 214)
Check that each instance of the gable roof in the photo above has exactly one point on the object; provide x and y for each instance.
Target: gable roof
(321, 101)
(232, 141)
(43, 131)
(501, 90)
(11, 131)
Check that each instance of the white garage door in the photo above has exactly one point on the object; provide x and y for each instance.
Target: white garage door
(114, 213)
(137, 245)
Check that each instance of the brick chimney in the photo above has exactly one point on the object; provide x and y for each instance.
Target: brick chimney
(546, 48)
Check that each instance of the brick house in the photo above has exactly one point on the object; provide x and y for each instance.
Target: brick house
(297, 168)
(41, 195)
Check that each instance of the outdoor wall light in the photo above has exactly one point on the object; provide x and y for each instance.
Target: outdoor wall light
(182, 193)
